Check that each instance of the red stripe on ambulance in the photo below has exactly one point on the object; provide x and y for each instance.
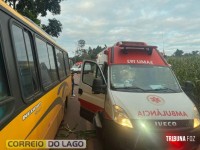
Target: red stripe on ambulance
(90, 106)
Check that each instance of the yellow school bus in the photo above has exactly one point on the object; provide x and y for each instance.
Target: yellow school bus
(35, 80)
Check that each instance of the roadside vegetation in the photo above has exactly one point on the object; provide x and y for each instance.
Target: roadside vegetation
(82, 53)
(187, 68)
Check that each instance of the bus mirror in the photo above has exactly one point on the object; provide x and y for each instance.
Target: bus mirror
(98, 86)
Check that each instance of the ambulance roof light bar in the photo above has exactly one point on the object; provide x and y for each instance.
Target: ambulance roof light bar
(125, 46)
(129, 44)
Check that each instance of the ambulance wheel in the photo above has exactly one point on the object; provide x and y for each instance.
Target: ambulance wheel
(108, 145)
(112, 141)
(107, 142)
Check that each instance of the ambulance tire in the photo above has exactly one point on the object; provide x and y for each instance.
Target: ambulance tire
(101, 134)
(107, 143)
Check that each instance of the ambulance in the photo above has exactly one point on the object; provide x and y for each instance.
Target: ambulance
(76, 68)
(133, 98)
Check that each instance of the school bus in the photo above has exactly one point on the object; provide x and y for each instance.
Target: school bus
(35, 81)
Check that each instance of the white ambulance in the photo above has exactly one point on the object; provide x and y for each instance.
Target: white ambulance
(132, 94)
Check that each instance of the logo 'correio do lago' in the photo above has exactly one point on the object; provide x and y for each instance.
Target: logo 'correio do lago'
(37, 144)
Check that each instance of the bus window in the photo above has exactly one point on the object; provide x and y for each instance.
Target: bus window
(3, 81)
(32, 65)
(53, 71)
(66, 59)
(60, 62)
(28, 84)
(45, 67)
(4, 92)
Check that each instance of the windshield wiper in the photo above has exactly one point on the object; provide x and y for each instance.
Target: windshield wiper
(163, 89)
(131, 87)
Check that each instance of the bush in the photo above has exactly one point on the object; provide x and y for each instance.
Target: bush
(187, 68)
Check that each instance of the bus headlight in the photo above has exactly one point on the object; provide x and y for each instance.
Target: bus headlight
(121, 117)
(196, 118)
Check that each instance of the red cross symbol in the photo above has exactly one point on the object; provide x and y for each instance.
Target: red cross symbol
(155, 99)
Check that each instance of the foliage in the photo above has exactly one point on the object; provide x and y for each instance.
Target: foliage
(80, 51)
(54, 27)
(80, 134)
(178, 53)
(12, 3)
(187, 69)
(88, 54)
(193, 53)
(81, 43)
(32, 9)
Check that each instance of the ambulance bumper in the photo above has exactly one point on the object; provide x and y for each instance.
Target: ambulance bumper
(129, 138)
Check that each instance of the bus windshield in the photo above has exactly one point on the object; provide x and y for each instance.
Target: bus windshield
(143, 78)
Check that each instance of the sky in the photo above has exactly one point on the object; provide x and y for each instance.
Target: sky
(168, 24)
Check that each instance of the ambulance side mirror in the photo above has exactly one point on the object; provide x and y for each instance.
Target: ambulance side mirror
(98, 86)
(188, 86)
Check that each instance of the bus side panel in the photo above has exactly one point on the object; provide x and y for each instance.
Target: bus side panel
(41, 119)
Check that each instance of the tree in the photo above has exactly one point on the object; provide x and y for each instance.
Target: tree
(195, 52)
(85, 55)
(187, 54)
(12, 3)
(90, 54)
(178, 53)
(28, 8)
(81, 43)
(54, 27)
(34, 8)
(80, 50)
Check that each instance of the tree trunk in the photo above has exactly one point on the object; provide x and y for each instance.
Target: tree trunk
(14, 4)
